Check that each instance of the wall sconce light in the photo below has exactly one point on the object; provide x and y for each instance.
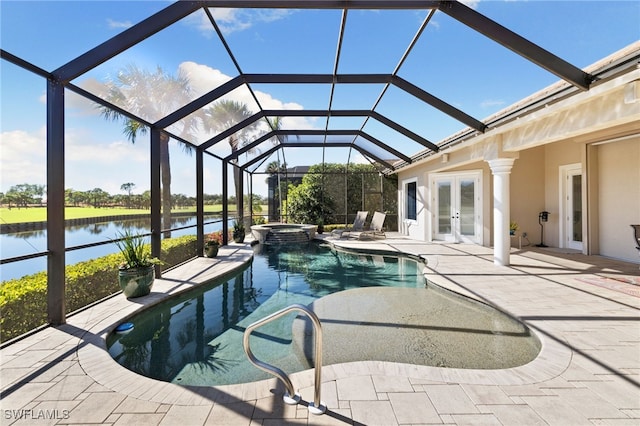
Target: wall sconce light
(542, 217)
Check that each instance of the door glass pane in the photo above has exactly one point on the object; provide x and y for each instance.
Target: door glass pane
(444, 207)
(576, 192)
(467, 210)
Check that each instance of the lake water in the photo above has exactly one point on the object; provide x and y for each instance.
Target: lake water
(29, 242)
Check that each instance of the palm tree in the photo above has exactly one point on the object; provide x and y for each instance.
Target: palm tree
(152, 96)
(223, 115)
(273, 168)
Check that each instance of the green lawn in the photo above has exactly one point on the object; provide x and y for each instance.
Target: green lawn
(38, 214)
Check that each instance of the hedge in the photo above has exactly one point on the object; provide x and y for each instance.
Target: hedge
(23, 301)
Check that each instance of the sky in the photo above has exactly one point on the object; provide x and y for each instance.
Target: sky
(449, 61)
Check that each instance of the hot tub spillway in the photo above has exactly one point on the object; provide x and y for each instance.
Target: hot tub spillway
(287, 236)
(283, 233)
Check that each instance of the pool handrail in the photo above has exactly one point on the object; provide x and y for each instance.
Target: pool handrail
(291, 397)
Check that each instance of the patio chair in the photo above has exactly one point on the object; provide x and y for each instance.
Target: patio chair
(376, 229)
(358, 225)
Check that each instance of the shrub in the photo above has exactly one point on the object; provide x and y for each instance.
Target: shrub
(23, 301)
(331, 227)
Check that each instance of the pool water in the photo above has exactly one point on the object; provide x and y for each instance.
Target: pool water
(196, 339)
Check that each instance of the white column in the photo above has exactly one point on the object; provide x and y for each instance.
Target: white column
(501, 168)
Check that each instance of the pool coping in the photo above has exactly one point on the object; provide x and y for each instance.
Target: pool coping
(95, 360)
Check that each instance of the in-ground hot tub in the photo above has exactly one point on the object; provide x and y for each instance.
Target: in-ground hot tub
(261, 232)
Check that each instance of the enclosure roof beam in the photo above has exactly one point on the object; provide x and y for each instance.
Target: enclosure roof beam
(317, 78)
(401, 129)
(368, 154)
(25, 64)
(314, 132)
(201, 102)
(324, 4)
(517, 43)
(354, 113)
(313, 145)
(231, 130)
(345, 144)
(260, 156)
(383, 146)
(399, 82)
(250, 146)
(439, 104)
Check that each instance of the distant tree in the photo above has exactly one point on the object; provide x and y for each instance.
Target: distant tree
(25, 194)
(83, 197)
(180, 200)
(145, 200)
(128, 187)
(71, 197)
(99, 197)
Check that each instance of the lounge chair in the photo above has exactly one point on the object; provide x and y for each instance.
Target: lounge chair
(376, 229)
(358, 225)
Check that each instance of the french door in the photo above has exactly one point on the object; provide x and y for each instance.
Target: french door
(456, 202)
(571, 206)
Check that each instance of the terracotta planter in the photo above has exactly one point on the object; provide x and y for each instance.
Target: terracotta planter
(211, 250)
(136, 282)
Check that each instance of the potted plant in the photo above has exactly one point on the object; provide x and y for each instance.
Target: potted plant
(320, 224)
(212, 244)
(513, 227)
(137, 271)
(238, 231)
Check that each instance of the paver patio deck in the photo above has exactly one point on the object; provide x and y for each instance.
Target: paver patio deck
(585, 309)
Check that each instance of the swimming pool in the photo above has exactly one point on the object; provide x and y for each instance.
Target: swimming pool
(196, 339)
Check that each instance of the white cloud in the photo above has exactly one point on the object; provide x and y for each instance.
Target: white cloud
(103, 154)
(23, 158)
(88, 164)
(471, 3)
(118, 24)
(234, 20)
(202, 77)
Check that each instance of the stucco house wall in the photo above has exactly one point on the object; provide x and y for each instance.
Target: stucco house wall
(599, 130)
(618, 197)
(528, 192)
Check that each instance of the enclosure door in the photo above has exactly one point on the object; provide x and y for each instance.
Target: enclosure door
(571, 205)
(456, 207)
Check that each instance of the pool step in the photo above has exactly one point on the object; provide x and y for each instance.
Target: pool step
(288, 237)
